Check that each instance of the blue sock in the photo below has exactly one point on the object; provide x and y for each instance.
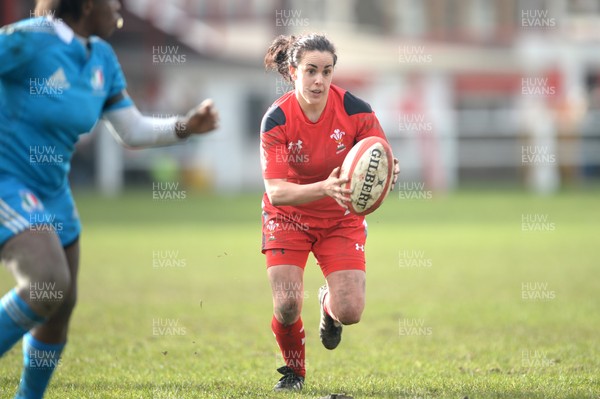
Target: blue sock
(40, 360)
(16, 318)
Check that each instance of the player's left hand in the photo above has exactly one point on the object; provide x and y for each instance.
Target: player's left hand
(199, 120)
(396, 173)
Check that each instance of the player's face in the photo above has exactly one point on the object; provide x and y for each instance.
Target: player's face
(104, 17)
(313, 76)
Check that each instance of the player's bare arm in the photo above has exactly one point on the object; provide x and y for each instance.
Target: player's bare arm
(134, 130)
(281, 192)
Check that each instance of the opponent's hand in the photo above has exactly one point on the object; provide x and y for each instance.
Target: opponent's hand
(332, 187)
(199, 120)
(396, 173)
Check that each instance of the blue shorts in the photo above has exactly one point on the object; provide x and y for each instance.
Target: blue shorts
(22, 209)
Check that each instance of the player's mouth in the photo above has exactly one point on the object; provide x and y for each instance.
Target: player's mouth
(316, 93)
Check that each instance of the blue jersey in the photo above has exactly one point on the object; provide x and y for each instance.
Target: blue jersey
(52, 89)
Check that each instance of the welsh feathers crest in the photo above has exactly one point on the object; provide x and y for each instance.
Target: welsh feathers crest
(338, 137)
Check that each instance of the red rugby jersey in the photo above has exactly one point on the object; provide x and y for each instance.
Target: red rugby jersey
(303, 152)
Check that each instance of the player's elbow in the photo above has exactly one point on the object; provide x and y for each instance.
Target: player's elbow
(130, 143)
(275, 195)
(277, 192)
(123, 134)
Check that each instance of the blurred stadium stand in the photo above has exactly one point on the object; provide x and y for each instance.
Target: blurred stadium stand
(464, 88)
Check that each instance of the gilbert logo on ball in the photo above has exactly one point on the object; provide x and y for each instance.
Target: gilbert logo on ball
(369, 168)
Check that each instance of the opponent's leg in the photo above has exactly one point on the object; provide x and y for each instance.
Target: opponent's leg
(38, 263)
(288, 294)
(43, 346)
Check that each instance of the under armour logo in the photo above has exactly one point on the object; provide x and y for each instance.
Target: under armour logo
(295, 147)
(360, 247)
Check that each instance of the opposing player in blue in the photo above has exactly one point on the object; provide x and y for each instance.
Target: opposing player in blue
(57, 78)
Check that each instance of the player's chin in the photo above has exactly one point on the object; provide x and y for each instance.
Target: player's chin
(108, 30)
(106, 33)
(315, 99)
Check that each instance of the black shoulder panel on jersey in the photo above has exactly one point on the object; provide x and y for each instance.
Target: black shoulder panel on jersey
(274, 117)
(354, 105)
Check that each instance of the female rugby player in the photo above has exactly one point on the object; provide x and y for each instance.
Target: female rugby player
(305, 136)
(57, 78)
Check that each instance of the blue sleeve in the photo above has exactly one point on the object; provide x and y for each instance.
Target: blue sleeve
(117, 84)
(16, 48)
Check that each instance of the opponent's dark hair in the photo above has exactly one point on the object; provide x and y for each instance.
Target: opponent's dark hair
(60, 8)
(288, 50)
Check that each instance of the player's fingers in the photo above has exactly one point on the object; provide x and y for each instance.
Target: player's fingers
(335, 172)
(342, 193)
(208, 103)
(341, 203)
(206, 107)
(341, 180)
(203, 111)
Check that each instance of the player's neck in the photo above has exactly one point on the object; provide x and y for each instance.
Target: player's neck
(80, 27)
(312, 111)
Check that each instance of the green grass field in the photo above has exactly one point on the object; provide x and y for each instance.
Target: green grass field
(477, 294)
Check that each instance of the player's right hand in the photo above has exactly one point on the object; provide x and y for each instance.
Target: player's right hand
(332, 186)
(202, 119)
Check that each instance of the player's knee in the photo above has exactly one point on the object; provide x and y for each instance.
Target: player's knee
(68, 305)
(57, 325)
(349, 317)
(49, 289)
(288, 310)
(350, 314)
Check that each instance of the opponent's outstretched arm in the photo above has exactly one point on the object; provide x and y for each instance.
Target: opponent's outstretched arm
(134, 130)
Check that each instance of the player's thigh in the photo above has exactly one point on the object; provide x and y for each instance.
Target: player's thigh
(347, 292)
(38, 263)
(341, 256)
(286, 246)
(55, 329)
(22, 209)
(31, 234)
(342, 247)
(72, 253)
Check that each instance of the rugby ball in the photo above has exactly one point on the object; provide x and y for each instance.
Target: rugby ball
(369, 167)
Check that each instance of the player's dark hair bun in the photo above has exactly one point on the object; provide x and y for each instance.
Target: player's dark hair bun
(277, 58)
(288, 50)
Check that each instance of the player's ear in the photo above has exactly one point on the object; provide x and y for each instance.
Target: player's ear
(293, 72)
(45, 7)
